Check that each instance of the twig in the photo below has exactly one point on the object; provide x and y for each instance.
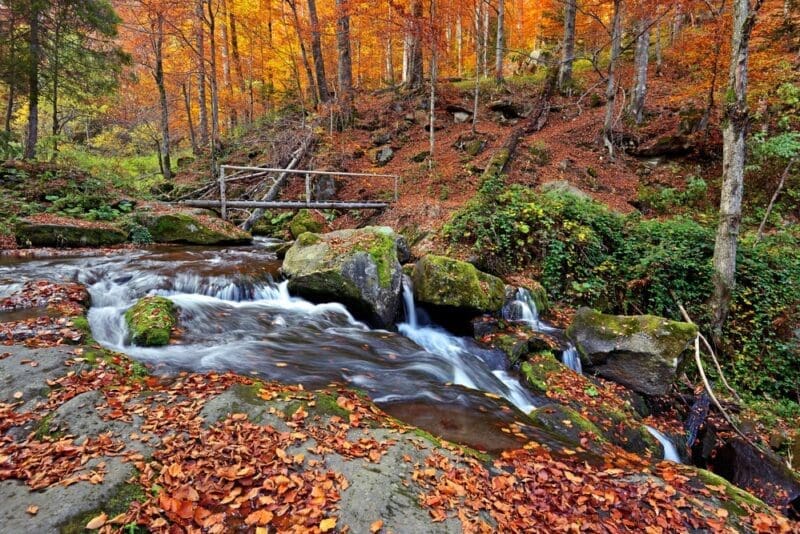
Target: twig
(707, 384)
(773, 199)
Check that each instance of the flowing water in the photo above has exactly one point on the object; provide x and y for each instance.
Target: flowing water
(233, 316)
(670, 451)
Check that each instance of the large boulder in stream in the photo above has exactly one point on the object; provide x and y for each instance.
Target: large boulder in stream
(358, 268)
(151, 321)
(456, 285)
(640, 352)
(54, 231)
(191, 227)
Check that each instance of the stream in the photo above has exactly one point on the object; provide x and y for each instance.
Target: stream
(235, 317)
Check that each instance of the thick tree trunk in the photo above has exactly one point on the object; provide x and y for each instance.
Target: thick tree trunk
(413, 75)
(233, 118)
(158, 75)
(611, 82)
(237, 58)
(485, 54)
(568, 48)
(641, 57)
(344, 93)
(32, 134)
(432, 101)
(500, 45)
(734, 134)
(316, 52)
(201, 73)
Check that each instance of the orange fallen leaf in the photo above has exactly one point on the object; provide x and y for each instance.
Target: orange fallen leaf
(376, 526)
(32, 509)
(97, 522)
(259, 517)
(327, 524)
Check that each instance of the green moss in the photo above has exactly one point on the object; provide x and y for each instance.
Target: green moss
(383, 251)
(566, 423)
(150, 321)
(43, 428)
(30, 233)
(304, 221)
(186, 228)
(443, 281)
(124, 495)
(307, 239)
(737, 497)
(325, 404)
(249, 393)
(496, 165)
(537, 369)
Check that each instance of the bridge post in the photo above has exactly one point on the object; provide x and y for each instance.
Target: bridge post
(222, 199)
(308, 189)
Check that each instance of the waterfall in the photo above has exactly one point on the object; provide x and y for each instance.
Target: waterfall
(670, 451)
(572, 359)
(522, 309)
(408, 301)
(468, 368)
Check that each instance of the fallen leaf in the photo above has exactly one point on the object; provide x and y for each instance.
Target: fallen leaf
(376, 526)
(327, 524)
(32, 509)
(97, 522)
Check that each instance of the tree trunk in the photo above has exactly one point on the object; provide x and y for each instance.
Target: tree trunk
(303, 53)
(659, 55)
(413, 64)
(188, 104)
(389, 60)
(641, 58)
(56, 74)
(233, 118)
(568, 48)
(459, 46)
(201, 73)
(485, 52)
(734, 133)
(344, 92)
(158, 75)
(316, 52)
(237, 58)
(9, 108)
(215, 139)
(500, 45)
(33, 85)
(432, 103)
(611, 83)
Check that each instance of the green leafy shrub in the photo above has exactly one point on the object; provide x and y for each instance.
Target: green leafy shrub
(585, 254)
(139, 235)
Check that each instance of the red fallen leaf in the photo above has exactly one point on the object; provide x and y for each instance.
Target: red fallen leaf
(259, 517)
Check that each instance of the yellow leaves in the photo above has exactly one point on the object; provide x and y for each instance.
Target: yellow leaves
(259, 517)
(97, 522)
(327, 524)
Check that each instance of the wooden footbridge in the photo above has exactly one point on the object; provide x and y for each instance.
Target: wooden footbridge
(234, 173)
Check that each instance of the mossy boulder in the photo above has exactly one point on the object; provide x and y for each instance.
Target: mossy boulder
(640, 352)
(358, 268)
(448, 283)
(198, 228)
(52, 231)
(306, 221)
(151, 320)
(569, 425)
(614, 417)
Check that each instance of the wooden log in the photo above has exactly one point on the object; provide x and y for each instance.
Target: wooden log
(285, 204)
(297, 156)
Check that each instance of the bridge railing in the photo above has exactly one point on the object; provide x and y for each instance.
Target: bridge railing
(231, 173)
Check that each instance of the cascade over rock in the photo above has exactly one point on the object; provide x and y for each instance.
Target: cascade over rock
(195, 227)
(445, 282)
(358, 268)
(640, 352)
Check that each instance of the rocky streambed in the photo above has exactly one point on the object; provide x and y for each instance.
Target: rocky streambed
(364, 326)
